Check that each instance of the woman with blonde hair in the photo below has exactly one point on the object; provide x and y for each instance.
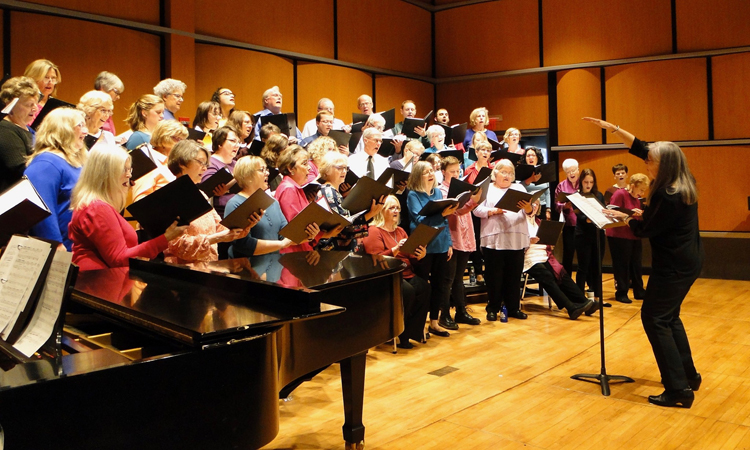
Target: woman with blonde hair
(54, 169)
(670, 222)
(478, 120)
(102, 238)
(47, 77)
(386, 238)
(15, 137)
(97, 106)
(317, 149)
(143, 117)
(435, 266)
(512, 139)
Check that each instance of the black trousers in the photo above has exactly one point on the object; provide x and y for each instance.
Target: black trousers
(416, 295)
(436, 268)
(588, 262)
(566, 294)
(503, 270)
(660, 315)
(458, 295)
(569, 247)
(627, 265)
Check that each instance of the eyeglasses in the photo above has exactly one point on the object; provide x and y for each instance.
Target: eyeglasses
(177, 96)
(506, 174)
(52, 80)
(344, 168)
(394, 208)
(234, 141)
(128, 170)
(106, 112)
(117, 92)
(572, 171)
(203, 164)
(226, 93)
(264, 169)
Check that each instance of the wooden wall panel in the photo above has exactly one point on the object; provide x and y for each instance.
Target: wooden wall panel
(305, 27)
(389, 34)
(578, 95)
(723, 197)
(342, 85)
(390, 92)
(485, 48)
(251, 73)
(729, 214)
(703, 25)
(664, 100)
(522, 100)
(731, 95)
(137, 64)
(145, 11)
(581, 30)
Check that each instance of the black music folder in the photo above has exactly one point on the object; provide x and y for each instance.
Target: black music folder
(399, 176)
(180, 198)
(255, 147)
(351, 178)
(222, 176)
(411, 124)
(51, 105)
(354, 141)
(313, 213)
(438, 206)
(484, 172)
(141, 162)
(90, 140)
(238, 218)
(547, 171)
(455, 134)
(21, 207)
(389, 116)
(363, 193)
(341, 137)
(196, 135)
(510, 199)
(496, 145)
(549, 232)
(422, 235)
(387, 148)
(504, 154)
(457, 187)
(287, 122)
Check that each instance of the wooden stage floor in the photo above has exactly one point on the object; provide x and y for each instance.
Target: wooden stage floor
(508, 385)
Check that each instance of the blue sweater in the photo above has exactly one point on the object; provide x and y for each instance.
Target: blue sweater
(267, 229)
(54, 179)
(415, 201)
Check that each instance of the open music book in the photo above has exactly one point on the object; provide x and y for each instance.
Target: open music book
(591, 207)
(21, 207)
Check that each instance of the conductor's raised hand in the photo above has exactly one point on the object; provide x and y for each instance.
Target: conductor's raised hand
(601, 123)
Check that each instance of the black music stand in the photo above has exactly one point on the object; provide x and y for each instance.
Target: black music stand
(602, 377)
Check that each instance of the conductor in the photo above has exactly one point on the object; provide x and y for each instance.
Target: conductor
(670, 222)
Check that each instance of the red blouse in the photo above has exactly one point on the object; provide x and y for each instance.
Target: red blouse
(381, 242)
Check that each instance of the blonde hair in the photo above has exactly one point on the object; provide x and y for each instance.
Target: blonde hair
(414, 143)
(100, 178)
(319, 147)
(415, 182)
(145, 103)
(479, 135)
(475, 113)
(329, 162)
(92, 100)
(379, 219)
(38, 69)
(509, 131)
(247, 170)
(165, 130)
(57, 134)
(638, 179)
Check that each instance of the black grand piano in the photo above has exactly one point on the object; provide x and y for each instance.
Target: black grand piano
(165, 357)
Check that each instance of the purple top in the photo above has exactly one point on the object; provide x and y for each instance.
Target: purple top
(622, 197)
(570, 216)
(214, 165)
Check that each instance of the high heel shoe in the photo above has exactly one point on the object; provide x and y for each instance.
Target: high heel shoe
(682, 398)
(695, 383)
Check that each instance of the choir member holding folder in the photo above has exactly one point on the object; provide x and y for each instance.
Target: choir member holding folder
(101, 237)
(568, 186)
(385, 237)
(207, 120)
(671, 223)
(534, 157)
(164, 137)
(436, 266)
(199, 242)
(504, 237)
(483, 150)
(54, 169)
(587, 234)
(251, 174)
(478, 120)
(293, 165)
(462, 236)
(98, 108)
(143, 117)
(225, 144)
(15, 137)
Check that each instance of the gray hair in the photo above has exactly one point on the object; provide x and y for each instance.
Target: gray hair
(433, 131)
(169, 85)
(367, 134)
(569, 164)
(503, 163)
(107, 81)
(375, 120)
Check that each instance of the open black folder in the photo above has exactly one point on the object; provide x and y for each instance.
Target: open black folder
(399, 176)
(21, 208)
(549, 232)
(287, 122)
(238, 218)
(389, 116)
(458, 186)
(51, 105)
(141, 162)
(313, 213)
(510, 199)
(341, 137)
(422, 235)
(411, 124)
(363, 193)
(222, 176)
(547, 171)
(180, 198)
(455, 134)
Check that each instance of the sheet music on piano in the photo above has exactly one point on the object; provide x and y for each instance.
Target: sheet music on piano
(20, 267)
(45, 316)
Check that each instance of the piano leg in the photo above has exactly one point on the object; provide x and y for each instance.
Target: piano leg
(353, 390)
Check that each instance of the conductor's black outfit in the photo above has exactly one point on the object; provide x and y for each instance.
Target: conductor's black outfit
(677, 256)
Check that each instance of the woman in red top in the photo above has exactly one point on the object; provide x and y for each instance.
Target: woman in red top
(386, 238)
(102, 239)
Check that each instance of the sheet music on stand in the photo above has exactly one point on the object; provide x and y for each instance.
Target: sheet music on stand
(591, 207)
